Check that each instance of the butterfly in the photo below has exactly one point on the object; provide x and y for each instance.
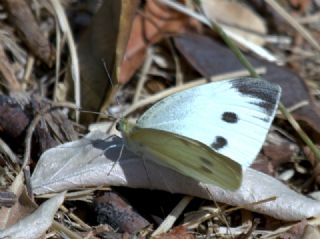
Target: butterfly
(210, 133)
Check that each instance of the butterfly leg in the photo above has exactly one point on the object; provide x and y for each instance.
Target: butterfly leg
(147, 173)
(117, 160)
(100, 144)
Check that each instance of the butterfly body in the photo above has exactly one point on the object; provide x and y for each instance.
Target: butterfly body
(210, 132)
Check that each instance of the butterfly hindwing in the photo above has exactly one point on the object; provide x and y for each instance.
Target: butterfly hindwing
(186, 156)
(231, 117)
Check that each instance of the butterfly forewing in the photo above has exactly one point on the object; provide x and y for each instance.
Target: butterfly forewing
(187, 156)
(231, 117)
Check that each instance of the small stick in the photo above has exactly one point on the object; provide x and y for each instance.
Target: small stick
(172, 217)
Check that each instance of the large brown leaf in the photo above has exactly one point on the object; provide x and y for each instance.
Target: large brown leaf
(104, 41)
(155, 23)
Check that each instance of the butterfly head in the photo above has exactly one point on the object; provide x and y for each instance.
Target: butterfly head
(124, 126)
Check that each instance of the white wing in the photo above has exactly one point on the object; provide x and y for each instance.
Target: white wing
(232, 117)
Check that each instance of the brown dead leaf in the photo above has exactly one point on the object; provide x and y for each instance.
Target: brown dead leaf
(295, 232)
(280, 154)
(15, 119)
(150, 26)
(36, 224)
(295, 91)
(273, 156)
(179, 232)
(7, 72)
(23, 206)
(102, 42)
(21, 16)
(211, 58)
(263, 164)
(303, 5)
(277, 151)
(237, 17)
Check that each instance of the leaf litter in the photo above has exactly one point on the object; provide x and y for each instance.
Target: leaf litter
(180, 50)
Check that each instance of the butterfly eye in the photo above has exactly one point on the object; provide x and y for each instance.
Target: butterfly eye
(118, 127)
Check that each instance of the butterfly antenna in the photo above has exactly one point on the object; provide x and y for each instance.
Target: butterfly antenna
(107, 71)
(110, 79)
(108, 116)
(118, 103)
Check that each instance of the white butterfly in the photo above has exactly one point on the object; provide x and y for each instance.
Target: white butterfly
(210, 133)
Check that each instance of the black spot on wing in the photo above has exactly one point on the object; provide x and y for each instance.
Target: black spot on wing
(219, 143)
(206, 161)
(207, 170)
(230, 117)
(260, 89)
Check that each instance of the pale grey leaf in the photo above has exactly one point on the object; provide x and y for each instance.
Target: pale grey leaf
(88, 162)
(36, 224)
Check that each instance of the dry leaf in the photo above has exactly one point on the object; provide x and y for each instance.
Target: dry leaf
(21, 16)
(302, 5)
(36, 224)
(7, 72)
(54, 126)
(155, 23)
(294, 232)
(88, 162)
(276, 152)
(236, 17)
(23, 206)
(179, 232)
(102, 42)
(13, 119)
(311, 232)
